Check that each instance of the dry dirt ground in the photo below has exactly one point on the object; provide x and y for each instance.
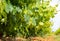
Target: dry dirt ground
(48, 38)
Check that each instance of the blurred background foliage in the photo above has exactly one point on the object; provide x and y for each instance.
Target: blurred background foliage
(26, 17)
(57, 32)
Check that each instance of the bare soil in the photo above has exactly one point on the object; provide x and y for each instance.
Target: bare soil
(48, 38)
